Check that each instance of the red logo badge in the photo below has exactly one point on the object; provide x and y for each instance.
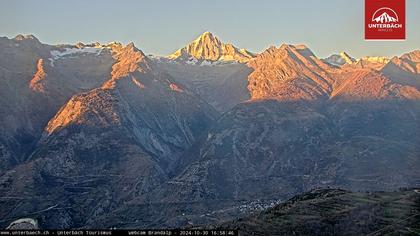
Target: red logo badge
(384, 19)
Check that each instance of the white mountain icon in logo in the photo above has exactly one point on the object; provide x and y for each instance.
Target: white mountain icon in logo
(385, 17)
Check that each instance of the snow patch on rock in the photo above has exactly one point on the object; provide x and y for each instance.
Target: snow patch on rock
(56, 54)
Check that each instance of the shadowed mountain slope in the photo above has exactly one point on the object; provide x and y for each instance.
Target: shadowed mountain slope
(337, 212)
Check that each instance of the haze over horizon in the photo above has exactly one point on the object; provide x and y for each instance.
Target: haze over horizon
(161, 27)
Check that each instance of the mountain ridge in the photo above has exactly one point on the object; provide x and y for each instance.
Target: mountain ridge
(116, 138)
(209, 47)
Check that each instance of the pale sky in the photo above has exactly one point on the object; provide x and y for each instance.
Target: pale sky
(162, 26)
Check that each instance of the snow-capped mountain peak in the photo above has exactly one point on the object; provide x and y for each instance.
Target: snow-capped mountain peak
(208, 47)
(339, 59)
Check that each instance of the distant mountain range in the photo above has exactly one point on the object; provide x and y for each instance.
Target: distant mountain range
(102, 135)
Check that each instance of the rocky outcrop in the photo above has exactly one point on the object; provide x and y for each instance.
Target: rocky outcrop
(23, 224)
(39, 77)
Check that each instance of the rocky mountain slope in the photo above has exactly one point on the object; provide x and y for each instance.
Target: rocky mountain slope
(106, 145)
(114, 138)
(214, 70)
(19, 116)
(36, 80)
(337, 212)
(290, 72)
(307, 125)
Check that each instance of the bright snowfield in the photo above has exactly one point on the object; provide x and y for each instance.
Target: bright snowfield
(56, 54)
